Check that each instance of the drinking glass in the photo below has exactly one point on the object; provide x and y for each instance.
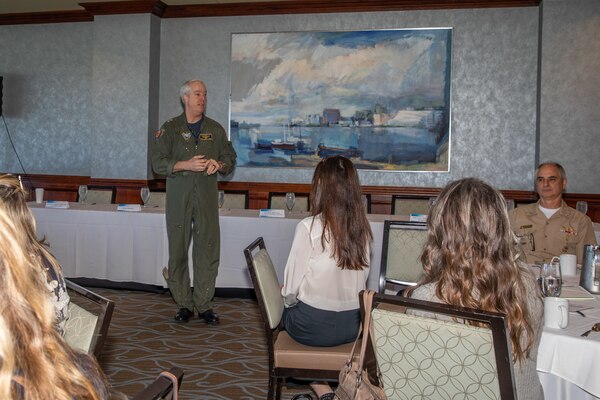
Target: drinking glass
(551, 278)
(582, 207)
(221, 198)
(145, 194)
(290, 200)
(83, 191)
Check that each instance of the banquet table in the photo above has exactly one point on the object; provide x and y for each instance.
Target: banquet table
(97, 241)
(568, 365)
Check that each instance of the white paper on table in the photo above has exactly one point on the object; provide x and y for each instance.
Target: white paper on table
(271, 213)
(57, 204)
(129, 207)
(418, 217)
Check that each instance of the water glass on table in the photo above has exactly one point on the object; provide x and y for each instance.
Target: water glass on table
(145, 194)
(551, 278)
(82, 191)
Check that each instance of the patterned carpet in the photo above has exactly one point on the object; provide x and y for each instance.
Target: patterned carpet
(228, 361)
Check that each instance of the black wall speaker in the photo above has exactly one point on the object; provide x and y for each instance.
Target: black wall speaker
(1, 96)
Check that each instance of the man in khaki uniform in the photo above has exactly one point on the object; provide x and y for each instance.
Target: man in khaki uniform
(549, 227)
(190, 149)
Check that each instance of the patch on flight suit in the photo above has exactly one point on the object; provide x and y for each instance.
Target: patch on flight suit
(206, 136)
(159, 133)
(186, 135)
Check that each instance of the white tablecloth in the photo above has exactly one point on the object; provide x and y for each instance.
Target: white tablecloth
(96, 241)
(568, 365)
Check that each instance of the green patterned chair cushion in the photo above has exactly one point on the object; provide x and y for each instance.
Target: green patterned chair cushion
(427, 358)
(80, 328)
(404, 255)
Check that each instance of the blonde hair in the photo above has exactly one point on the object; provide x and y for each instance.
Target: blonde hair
(13, 200)
(35, 362)
(469, 254)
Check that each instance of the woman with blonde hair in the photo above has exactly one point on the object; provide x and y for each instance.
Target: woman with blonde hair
(13, 200)
(328, 264)
(469, 260)
(35, 362)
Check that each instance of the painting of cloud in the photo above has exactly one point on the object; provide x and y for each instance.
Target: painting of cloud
(380, 97)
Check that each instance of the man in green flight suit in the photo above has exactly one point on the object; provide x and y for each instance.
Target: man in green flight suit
(190, 149)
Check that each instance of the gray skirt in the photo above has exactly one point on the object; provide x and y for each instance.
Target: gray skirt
(315, 327)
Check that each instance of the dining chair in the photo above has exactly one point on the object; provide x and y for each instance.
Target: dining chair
(277, 201)
(157, 200)
(99, 195)
(404, 205)
(287, 358)
(86, 328)
(164, 387)
(401, 252)
(426, 350)
(236, 200)
(366, 199)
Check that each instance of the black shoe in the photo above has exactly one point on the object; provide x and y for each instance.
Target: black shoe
(183, 315)
(210, 317)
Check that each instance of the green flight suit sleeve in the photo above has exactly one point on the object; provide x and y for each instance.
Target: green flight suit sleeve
(227, 157)
(162, 154)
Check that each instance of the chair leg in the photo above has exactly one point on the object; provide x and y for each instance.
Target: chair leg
(278, 389)
(271, 387)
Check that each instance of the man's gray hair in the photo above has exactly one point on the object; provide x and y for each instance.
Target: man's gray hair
(186, 88)
(561, 170)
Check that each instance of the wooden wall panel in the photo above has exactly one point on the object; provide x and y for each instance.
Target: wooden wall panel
(62, 187)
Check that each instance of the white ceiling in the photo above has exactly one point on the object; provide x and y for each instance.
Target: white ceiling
(26, 6)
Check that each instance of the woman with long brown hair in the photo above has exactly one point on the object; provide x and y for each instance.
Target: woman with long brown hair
(13, 200)
(469, 260)
(328, 262)
(35, 362)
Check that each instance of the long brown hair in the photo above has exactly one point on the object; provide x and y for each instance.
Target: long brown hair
(13, 200)
(337, 197)
(469, 254)
(35, 362)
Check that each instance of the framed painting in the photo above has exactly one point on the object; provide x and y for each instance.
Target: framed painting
(379, 97)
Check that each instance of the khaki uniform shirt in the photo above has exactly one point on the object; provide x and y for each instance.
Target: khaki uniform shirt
(567, 231)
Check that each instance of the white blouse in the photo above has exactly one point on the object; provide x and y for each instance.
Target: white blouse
(312, 276)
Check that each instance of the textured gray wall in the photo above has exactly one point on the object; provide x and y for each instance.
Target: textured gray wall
(494, 74)
(47, 73)
(120, 96)
(570, 91)
(85, 98)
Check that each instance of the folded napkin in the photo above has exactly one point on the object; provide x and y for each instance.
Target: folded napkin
(57, 204)
(271, 213)
(129, 207)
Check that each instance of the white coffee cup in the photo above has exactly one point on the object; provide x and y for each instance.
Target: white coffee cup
(556, 312)
(568, 264)
(39, 195)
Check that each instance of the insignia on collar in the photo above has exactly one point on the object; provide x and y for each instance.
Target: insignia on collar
(186, 135)
(206, 136)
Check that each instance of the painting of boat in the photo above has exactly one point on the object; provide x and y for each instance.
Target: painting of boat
(292, 111)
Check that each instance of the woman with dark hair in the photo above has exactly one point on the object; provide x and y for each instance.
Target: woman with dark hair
(328, 263)
(469, 260)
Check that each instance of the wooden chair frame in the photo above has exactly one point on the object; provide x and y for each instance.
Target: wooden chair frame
(497, 323)
(161, 386)
(106, 308)
(388, 225)
(277, 375)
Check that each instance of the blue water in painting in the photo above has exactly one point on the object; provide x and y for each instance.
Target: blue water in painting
(391, 145)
